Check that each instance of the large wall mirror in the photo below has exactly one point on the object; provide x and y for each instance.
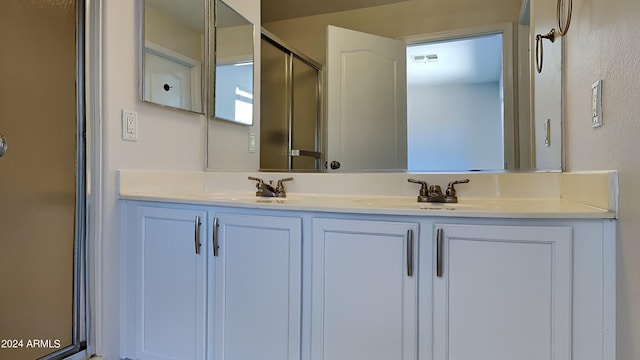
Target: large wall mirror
(173, 54)
(234, 58)
(491, 115)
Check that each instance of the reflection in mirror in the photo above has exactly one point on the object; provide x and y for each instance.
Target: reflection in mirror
(457, 87)
(233, 90)
(173, 53)
(417, 20)
(290, 88)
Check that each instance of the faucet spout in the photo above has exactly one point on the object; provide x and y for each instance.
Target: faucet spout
(263, 189)
(267, 190)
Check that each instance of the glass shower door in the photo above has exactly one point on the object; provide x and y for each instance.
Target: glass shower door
(38, 179)
(274, 108)
(305, 141)
(290, 110)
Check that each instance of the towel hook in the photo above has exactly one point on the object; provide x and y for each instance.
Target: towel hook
(551, 36)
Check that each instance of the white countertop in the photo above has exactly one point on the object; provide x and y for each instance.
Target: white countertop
(388, 205)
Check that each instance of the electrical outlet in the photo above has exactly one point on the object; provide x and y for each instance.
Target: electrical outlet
(129, 125)
(596, 104)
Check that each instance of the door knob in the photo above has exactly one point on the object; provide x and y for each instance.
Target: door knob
(335, 165)
(3, 145)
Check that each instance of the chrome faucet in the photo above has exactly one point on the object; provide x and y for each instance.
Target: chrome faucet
(434, 193)
(268, 190)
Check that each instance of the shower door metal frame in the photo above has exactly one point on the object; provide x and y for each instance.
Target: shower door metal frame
(292, 53)
(82, 346)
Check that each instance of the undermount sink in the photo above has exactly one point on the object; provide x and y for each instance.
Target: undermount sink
(411, 203)
(386, 202)
(251, 198)
(271, 200)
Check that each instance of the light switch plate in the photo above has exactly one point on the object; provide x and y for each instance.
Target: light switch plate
(596, 104)
(129, 125)
(252, 143)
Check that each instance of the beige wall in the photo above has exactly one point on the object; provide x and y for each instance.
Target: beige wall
(402, 19)
(602, 43)
(236, 47)
(168, 33)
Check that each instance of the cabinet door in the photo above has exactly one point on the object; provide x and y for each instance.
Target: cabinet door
(171, 280)
(363, 302)
(502, 293)
(257, 288)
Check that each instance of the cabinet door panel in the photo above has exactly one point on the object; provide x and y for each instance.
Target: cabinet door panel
(363, 301)
(505, 293)
(171, 280)
(258, 288)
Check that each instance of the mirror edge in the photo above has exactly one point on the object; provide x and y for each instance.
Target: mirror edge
(212, 67)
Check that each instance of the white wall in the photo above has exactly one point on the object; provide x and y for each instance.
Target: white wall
(453, 127)
(602, 43)
(168, 140)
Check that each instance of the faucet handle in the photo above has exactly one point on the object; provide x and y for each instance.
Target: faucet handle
(283, 180)
(463, 181)
(450, 195)
(280, 191)
(259, 185)
(259, 182)
(424, 189)
(423, 183)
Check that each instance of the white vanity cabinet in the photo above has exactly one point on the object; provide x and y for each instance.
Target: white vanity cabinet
(242, 301)
(502, 292)
(165, 283)
(257, 287)
(295, 284)
(524, 289)
(364, 290)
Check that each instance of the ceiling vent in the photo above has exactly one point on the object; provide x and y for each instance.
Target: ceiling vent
(424, 58)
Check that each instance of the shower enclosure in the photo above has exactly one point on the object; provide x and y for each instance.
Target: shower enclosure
(42, 306)
(290, 108)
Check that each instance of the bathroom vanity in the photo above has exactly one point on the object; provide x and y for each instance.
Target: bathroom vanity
(211, 274)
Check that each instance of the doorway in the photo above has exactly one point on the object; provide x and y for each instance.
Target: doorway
(455, 104)
(42, 180)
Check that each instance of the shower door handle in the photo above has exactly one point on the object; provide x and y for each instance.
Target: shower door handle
(3, 145)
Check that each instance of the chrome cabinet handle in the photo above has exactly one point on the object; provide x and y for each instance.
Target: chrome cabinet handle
(216, 245)
(439, 253)
(3, 145)
(197, 235)
(409, 252)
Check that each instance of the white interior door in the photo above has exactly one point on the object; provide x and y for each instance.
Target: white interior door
(168, 82)
(366, 101)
